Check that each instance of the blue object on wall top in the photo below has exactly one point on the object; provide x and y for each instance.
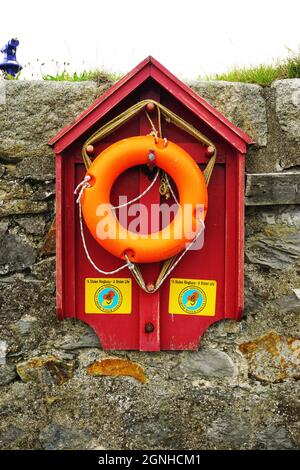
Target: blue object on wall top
(9, 65)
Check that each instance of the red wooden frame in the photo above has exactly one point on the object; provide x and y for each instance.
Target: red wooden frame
(151, 80)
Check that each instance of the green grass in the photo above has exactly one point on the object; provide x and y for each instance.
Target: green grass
(98, 76)
(262, 74)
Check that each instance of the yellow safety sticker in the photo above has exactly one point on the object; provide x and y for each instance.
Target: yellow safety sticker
(108, 296)
(192, 297)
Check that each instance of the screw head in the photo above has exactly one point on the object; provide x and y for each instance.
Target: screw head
(90, 149)
(149, 327)
(210, 150)
(150, 287)
(150, 107)
(151, 156)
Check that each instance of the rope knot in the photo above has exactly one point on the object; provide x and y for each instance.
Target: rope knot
(130, 265)
(81, 187)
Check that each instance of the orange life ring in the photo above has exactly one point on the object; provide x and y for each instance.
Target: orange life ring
(130, 152)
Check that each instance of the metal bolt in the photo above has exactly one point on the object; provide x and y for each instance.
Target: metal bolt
(149, 327)
(150, 287)
(151, 156)
(90, 149)
(210, 150)
(150, 107)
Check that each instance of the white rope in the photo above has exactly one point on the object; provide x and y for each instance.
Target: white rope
(140, 195)
(137, 275)
(82, 186)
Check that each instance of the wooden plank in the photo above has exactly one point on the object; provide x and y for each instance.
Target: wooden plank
(149, 305)
(59, 237)
(272, 188)
(231, 237)
(196, 150)
(69, 236)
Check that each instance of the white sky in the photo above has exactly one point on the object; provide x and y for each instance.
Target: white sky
(189, 37)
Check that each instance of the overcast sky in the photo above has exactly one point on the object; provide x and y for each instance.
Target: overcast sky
(189, 37)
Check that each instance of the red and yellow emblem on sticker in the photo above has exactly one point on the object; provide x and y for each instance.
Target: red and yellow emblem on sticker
(192, 297)
(108, 296)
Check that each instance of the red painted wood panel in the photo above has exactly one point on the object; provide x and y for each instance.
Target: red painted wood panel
(182, 331)
(221, 258)
(114, 331)
(149, 304)
(60, 177)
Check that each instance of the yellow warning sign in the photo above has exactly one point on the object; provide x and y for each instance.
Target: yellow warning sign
(192, 297)
(108, 296)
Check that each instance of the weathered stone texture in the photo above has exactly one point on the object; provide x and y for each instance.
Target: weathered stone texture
(7, 374)
(264, 189)
(276, 243)
(204, 363)
(116, 367)
(56, 437)
(269, 115)
(288, 106)
(59, 390)
(241, 103)
(33, 112)
(272, 357)
(45, 370)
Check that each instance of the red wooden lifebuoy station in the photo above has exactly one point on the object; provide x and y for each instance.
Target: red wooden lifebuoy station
(207, 284)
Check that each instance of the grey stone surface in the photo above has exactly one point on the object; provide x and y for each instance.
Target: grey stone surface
(272, 188)
(86, 340)
(273, 252)
(25, 324)
(234, 430)
(45, 191)
(44, 269)
(16, 198)
(269, 115)
(241, 103)
(12, 434)
(33, 112)
(3, 350)
(289, 303)
(7, 373)
(20, 295)
(288, 114)
(288, 106)
(32, 225)
(35, 168)
(57, 437)
(273, 237)
(16, 253)
(274, 438)
(206, 363)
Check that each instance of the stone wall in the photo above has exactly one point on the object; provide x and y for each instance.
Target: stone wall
(239, 391)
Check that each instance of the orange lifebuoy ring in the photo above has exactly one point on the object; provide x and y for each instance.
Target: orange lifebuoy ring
(114, 160)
